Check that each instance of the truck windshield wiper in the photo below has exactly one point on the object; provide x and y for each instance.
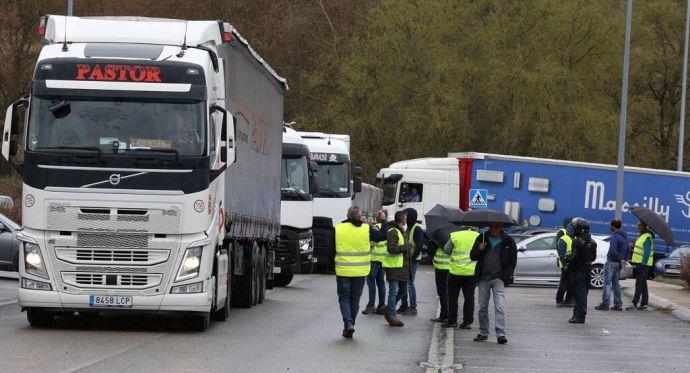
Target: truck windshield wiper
(96, 149)
(167, 151)
(327, 192)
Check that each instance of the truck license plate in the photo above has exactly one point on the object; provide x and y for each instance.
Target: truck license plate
(277, 269)
(109, 301)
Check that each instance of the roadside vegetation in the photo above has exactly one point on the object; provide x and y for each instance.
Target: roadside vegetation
(413, 78)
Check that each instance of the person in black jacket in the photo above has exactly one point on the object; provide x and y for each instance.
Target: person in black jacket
(579, 264)
(496, 256)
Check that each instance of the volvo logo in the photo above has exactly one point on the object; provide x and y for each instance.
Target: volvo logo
(114, 179)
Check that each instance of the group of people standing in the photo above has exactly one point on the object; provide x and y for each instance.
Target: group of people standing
(576, 251)
(380, 253)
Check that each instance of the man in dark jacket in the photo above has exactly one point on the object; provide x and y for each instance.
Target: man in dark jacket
(416, 235)
(397, 264)
(616, 260)
(579, 264)
(496, 256)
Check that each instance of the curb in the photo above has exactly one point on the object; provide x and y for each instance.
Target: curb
(679, 312)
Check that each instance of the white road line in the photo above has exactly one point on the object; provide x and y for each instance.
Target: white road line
(437, 360)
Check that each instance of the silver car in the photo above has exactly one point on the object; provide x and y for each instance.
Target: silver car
(9, 245)
(536, 260)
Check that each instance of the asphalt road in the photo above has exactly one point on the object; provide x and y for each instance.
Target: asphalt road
(540, 339)
(296, 329)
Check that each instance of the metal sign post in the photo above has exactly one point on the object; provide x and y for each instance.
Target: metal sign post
(624, 115)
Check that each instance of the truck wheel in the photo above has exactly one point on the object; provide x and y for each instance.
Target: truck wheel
(596, 280)
(282, 280)
(39, 318)
(201, 322)
(223, 313)
(245, 285)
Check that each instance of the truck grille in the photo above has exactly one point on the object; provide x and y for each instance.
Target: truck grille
(112, 240)
(102, 255)
(105, 280)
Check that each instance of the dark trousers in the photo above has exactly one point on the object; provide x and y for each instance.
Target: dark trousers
(349, 292)
(455, 285)
(564, 293)
(376, 280)
(580, 289)
(641, 273)
(442, 291)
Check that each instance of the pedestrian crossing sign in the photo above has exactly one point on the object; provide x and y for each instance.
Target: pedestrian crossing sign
(477, 198)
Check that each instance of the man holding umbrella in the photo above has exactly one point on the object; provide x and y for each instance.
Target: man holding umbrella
(496, 257)
(643, 251)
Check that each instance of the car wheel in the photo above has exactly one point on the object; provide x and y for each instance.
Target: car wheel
(596, 280)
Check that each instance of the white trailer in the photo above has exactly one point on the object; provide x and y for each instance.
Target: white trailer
(151, 169)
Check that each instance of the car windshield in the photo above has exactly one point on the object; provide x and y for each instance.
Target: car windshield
(333, 179)
(294, 182)
(389, 188)
(680, 251)
(117, 126)
(9, 223)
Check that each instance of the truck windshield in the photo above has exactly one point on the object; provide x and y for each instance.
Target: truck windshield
(117, 126)
(333, 180)
(294, 178)
(389, 192)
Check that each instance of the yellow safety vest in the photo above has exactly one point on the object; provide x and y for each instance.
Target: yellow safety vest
(441, 260)
(568, 248)
(379, 249)
(419, 256)
(352, 250)
(638, 251)
(394, 260)
(460, 262)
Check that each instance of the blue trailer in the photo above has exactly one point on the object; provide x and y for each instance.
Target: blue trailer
(540, 192)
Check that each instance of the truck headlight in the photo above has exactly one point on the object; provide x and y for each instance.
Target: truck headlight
(305, 244)
(33, 261)
(191, 262)
(196, 287)
(35, 285)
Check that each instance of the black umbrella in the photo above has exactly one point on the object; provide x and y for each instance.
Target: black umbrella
(439, 223)
(654, 222)
(482, 218)
(449, 213)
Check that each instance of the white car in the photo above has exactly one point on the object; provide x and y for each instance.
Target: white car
(536, 260)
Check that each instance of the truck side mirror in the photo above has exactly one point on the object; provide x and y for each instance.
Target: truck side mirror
(9, 146)
(227, 141)
(313, 181)
(357, 184)
(357, 171)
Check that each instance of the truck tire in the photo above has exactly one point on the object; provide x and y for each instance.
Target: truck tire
(200, 323)
(39, 318)
(596, 280)
(223, 313)
(282, 280)
(244, 293)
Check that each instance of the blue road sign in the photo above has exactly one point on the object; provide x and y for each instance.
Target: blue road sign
(478, 199)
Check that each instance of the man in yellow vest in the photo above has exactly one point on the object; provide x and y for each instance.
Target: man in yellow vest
(416, 236)
(564, 246)
(643, 260)
(441, 263)
(397, 264)
(377, 276)
(461, 277)
(352, 264)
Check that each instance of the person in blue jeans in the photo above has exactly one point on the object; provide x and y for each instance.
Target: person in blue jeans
(377, 276)
(416, 234)
(615, 261)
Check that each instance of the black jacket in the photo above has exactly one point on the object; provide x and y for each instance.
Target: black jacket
(583, 254)
(403, 273)
(507, 250)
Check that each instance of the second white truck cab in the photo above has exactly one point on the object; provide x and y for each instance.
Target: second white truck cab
(337, 181)
(298, 184)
